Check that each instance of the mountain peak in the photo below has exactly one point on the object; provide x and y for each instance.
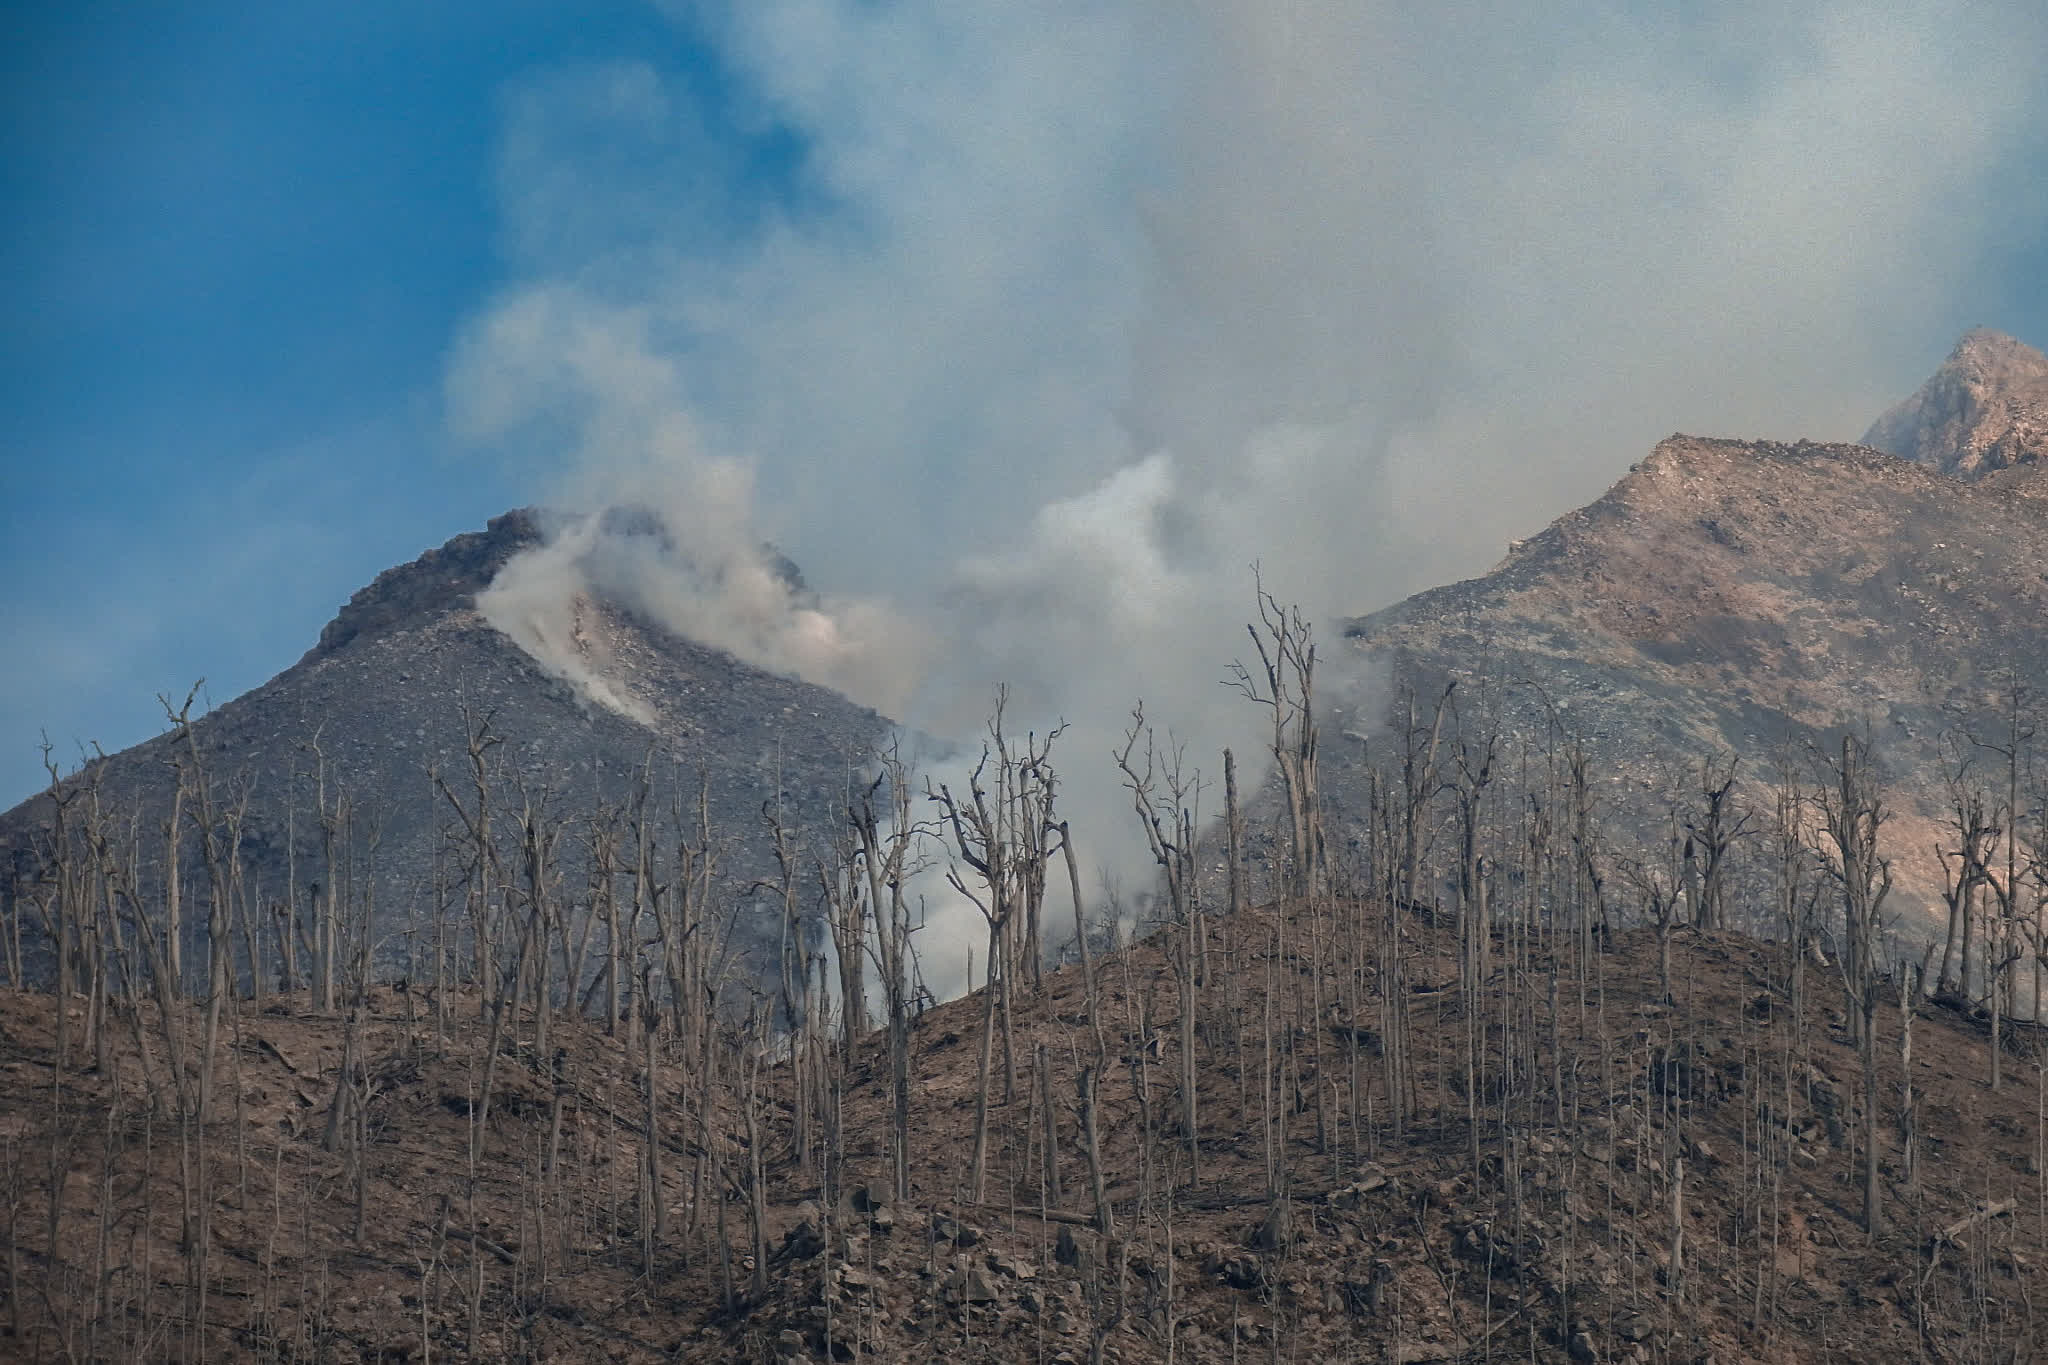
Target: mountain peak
(1988, 350)
(1986, 408)
(450, 576)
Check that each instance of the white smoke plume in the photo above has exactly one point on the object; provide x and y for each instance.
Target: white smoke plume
(716, 588)
(1029, 328)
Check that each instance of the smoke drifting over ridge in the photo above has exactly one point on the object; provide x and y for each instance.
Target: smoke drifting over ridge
(1028, 330)
(680, 554)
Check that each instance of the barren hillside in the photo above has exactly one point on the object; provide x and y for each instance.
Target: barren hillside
(1536, 1219)
(1748, 598)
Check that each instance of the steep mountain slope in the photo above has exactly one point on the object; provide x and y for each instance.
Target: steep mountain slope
(392, 691)
(1985, 409)
(1743, 597)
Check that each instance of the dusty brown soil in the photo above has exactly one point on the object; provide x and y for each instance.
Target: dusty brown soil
(1542, 1234)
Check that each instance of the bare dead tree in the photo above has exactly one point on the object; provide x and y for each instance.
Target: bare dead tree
(2007, 886)
(621, 944)
(1716, 824)
(1589, 882)
(603, 841)
(536, 894)
(999, 833)
(889, 859)
(1420, 783)
(1164, 797)
(796, 1007)
(326, 899)
(695, 943)
(1964, 859)
(1285, 686)
(789, 926)
(174, 887)
(843, 892)
(1852, 813)
(2032, 834)
(757, 1177)
(12, 902)
(1660, 882)
(1474, 756)
(220, 836)
(484, 873)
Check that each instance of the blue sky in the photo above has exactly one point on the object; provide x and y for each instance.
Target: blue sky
(238, 243)
(293, 293)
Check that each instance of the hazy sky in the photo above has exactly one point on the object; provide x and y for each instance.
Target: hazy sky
(1057, 315)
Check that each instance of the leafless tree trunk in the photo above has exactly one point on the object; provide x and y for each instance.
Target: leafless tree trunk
(999, 833)
(1852, 812)
(1663, 889)
(1091, 1140)
(1285, 686)
(174, 914)
(1049, 1121)
(1714, 828)
(1974, 833)
(1475, 757)
(757, 1186)
(2008, 892)
(1168, 819)
(888, 852)
(479, 742)
(846, 920)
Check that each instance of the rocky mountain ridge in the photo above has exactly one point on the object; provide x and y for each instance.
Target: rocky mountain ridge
(1751, 598)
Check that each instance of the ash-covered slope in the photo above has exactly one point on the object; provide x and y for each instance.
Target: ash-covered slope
(1985, 409)
(387, 695)
(1747, 596)
(1542, 1233)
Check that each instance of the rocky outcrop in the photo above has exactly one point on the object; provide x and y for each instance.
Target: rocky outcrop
(1985, 409)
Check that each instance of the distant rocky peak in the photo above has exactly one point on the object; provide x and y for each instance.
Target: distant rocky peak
(1991, 352)
(449, 577)
(1985, 409)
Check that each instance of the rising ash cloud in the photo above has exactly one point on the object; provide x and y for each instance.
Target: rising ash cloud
(1027, 331)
